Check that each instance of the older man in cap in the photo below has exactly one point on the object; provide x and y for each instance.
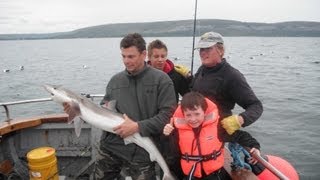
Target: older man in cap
(225, 85)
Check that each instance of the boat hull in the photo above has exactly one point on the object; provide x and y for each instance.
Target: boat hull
(76, 155)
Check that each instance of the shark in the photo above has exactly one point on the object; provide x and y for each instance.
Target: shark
(105, 119)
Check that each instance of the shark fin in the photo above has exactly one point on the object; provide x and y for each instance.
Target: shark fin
(127, 141)
(152, 157)
(77, 126)
(167, 177)
(112, 105)
(73, 112)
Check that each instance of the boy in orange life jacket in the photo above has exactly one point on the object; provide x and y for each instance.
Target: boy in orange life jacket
(200, 138)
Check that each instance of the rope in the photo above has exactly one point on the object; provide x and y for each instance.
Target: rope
(238, 163)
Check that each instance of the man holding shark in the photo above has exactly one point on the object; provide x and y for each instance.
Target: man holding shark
(147, 99)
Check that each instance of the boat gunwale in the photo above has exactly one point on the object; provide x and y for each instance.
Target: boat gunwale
(24, 123)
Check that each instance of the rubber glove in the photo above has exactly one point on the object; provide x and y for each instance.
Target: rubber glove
(183, 70)
(231, 124)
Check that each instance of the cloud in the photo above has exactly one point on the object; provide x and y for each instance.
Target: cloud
(43, 16)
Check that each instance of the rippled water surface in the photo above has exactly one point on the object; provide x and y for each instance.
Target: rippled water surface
(284, 73)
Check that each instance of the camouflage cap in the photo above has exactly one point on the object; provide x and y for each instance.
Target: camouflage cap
(209, 39)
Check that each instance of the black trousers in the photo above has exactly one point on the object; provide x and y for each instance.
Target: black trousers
(108, 166)
(220, 174)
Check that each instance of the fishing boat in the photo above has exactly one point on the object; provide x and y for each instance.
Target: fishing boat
(75, 155)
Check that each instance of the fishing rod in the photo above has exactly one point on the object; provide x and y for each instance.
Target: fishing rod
(269, 166)
(194, 33)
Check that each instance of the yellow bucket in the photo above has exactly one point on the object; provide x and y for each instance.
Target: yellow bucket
(42, 164)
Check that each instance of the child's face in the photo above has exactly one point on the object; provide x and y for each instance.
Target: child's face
(194, 117)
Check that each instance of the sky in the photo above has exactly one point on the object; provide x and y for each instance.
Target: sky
(47, 16)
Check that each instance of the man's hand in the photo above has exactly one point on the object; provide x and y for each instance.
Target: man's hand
(127, 128)
(231, 123)
(183, 70)
(167, 130)
(253, 160)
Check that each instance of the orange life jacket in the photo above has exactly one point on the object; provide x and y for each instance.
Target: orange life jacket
(202, 152)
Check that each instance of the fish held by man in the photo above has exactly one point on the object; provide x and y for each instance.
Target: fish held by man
(104, 119)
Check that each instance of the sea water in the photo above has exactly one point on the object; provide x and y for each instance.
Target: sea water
(284, 72)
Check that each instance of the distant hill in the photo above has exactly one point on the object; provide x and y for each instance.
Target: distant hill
(184, 28)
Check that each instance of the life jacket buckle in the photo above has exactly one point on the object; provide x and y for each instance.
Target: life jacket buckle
(214, 155)
(186, 157)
